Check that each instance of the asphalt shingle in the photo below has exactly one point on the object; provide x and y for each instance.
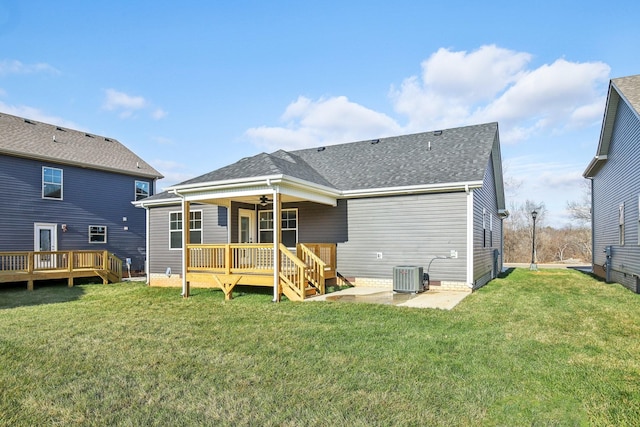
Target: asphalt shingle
(630, 88)
(437, 157)
(32, 139)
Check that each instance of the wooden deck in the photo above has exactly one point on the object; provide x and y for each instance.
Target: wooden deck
(30, 266)
(226, 265)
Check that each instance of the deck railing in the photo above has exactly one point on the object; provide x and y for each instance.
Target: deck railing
(27, 265)
(297, 271)
(230, 258)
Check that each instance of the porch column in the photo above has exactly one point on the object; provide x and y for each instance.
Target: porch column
(277, 225)
(185, 241)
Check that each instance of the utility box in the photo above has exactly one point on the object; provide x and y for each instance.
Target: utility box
(408, 279)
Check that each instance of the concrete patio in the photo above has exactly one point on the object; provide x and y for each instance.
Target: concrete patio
(433, 298)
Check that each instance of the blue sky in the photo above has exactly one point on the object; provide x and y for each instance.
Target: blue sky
(192, 86)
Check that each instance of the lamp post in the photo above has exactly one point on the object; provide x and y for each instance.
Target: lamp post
(534, 266)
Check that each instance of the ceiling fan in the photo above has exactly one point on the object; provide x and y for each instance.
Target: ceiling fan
(264, 200)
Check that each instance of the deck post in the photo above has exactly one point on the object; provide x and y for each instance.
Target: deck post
(30, 264)
(227, 259)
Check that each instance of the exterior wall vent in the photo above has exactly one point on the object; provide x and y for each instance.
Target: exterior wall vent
(408, 279)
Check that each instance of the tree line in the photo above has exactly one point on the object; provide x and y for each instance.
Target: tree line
(571, 243)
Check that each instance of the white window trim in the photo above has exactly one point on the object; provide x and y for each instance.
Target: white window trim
(135, 189)
(61, 183)
(89, 234)
(201, 229)
(283, 229)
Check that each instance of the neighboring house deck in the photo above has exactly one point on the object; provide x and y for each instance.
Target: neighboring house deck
(47, 265)
(429, 199)
(68, 190)
(615, 187)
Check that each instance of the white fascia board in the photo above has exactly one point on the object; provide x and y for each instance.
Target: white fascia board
(161, 202)
(413, 189)
(227, 183)
(594, 166)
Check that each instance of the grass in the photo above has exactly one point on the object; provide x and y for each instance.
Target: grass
(554, 347)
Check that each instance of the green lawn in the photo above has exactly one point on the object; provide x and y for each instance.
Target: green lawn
(553, 347)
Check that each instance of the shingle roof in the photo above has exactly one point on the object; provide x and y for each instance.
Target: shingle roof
(629, 87)
(439, 157)
(32, 139)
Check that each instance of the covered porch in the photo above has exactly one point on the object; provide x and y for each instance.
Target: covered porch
(262, 247)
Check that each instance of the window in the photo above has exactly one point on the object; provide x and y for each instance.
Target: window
(484, 228)
(175, 228)
(142, 190)
(97, 234)
(51, 183)
(289, 224)
(621, 222)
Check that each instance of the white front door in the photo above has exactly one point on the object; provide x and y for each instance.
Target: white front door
(246, 226)
(45, 239)
(246, 234)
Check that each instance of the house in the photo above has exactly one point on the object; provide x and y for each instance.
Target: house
(615, 187)
(433, 200)
(64, 190)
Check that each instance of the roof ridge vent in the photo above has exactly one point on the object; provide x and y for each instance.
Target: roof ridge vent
(29, 121)
(375, 141)
(88, 135)
(107, 139)
(437, 132)
(60, 129)
(322, 148)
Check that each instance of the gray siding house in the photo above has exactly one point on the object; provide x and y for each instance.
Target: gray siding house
(64, 189)
(615, 187)
(433, 199)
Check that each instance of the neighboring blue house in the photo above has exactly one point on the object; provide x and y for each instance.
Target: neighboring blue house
(615, 187)
(63, 189)
(433, 200)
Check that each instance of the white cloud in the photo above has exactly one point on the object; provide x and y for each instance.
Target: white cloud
(120, 101)
(456, 88)
(127, 105)
(159, 114)
(16, 67)
(323, 122)
(495, 84)
(174, 172)
(38, 115)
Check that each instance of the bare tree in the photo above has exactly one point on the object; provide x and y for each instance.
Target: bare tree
(580, 211)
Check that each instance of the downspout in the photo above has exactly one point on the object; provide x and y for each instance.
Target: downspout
(184, 245)
(147, 243)
(469, 236)
(277, 225)
(593, 228)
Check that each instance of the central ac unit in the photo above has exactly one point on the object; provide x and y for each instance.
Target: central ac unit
(408, 279)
